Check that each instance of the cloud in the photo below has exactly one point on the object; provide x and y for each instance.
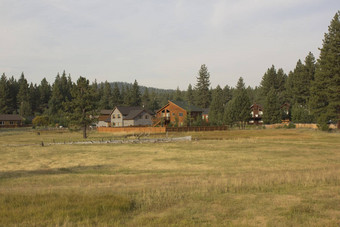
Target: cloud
(161, 43)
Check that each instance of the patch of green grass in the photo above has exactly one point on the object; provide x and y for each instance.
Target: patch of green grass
(61, 208)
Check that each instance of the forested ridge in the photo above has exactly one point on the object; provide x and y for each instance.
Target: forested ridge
(312, 90)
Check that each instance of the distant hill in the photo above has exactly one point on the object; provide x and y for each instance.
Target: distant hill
(142, 88)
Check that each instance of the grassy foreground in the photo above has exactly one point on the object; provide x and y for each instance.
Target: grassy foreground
(273, 177)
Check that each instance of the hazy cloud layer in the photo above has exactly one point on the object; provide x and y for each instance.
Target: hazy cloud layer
(159, 43)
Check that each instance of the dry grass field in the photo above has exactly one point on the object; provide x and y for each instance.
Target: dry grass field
(271, 177)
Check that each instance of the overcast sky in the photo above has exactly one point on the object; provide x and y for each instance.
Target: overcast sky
(160, 43)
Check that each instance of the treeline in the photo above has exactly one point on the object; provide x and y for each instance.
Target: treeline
(44, 99)
(312, 91)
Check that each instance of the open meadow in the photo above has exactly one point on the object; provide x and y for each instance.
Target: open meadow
(264, 177)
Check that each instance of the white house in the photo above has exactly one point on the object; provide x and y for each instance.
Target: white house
(122, 116)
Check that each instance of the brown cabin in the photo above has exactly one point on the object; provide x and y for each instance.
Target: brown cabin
(104, 118)
(10, 120)
(256, 114)
(177, 112)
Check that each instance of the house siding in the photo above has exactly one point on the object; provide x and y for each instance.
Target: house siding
(115, 121)
(103, 124)
(138, 120)
(143, 119)
(174, 111)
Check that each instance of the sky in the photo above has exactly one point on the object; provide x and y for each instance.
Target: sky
(159, 43)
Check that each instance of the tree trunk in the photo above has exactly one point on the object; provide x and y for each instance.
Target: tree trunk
(84, 132)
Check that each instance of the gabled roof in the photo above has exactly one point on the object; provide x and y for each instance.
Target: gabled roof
(125, 110)
(105, 112)
(105, 118)
(187, 106)
(206, 111)
(255, 104)
(131, 112)
(10, 117)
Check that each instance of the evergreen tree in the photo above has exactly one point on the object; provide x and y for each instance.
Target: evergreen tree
(34, 98)
(45, 94)
(23, 97)
(60, 94)
(82, 106)
(178, 95)
(241, 103)
(116, 96)
(146, 99)
(230, 113)
(135, 95)
(227, 94)
(269, 81)
(300, 114)
(14, 89)
(106, 98)
(154, 103)
(325, 90)
(300, 81)
(57, 97)
(202, 92)
(5, 99)
(190, 98)
(216, 110)
(272, 112)
(126, 96)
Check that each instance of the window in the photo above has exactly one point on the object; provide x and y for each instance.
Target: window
(180, 114)
(11, 122)
(113, 116)
(118, 115)
(146, 117)
(2, 122)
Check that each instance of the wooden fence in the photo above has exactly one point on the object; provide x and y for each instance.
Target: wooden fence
(196, 128)
(160, 129)
(132, 129)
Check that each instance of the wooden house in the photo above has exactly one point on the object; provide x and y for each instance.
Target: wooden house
(10, 120)
(122, 116)
(205, 115)
(104, 118)
(177, 113)
(256, 114)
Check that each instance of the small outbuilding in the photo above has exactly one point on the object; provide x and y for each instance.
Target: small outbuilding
(10, 120)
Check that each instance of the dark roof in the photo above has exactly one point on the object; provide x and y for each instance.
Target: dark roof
(105, 118)
(130, 112)
(105, 112)
(10, 117)
(133, 114)
(187, 106)
(255, 104)
(206, 111)
(125, 110)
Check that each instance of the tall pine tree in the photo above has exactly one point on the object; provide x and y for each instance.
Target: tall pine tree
(5, 99)
(325, 90)
(203, 96)
(82, 106)
(216, 110)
